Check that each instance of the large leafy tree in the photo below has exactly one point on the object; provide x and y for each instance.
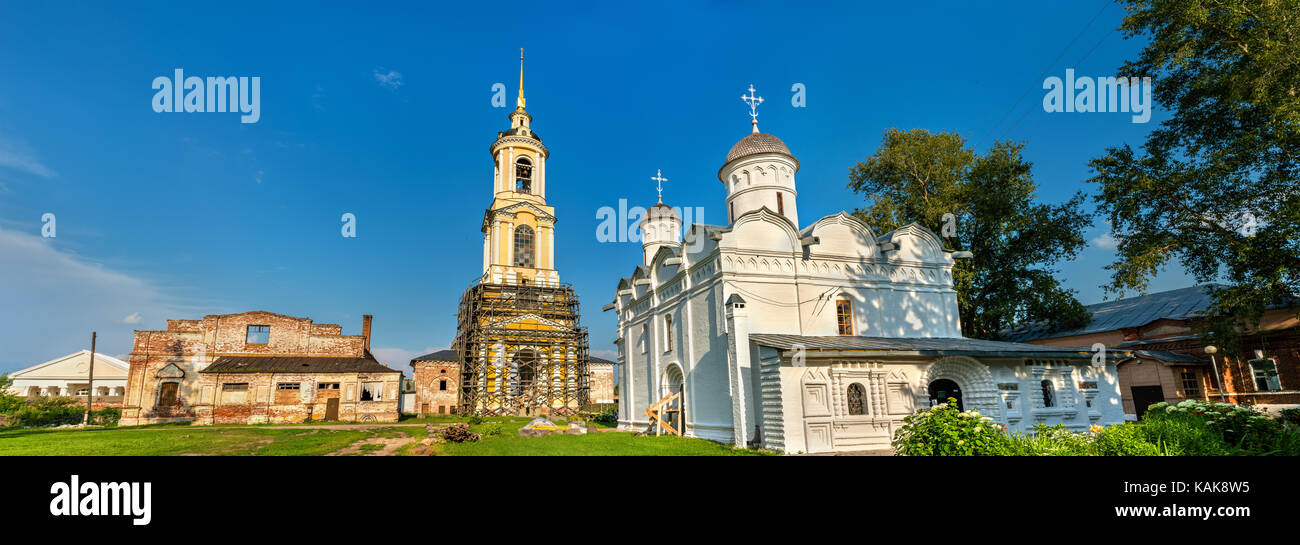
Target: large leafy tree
(919, 176)
(1215, 185)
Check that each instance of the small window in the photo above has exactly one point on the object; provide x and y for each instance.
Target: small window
(844, 316)
(856, 395)
(327, 386)
(780, 204)
(731, 211)
(289, 386)
(235, 387)
(167, 396)
(372, 391)
(1266, 379)
(83, 391)
(645, 338)
(258, 334)
(1049, 394)
(442, 385)
(668, 333)
(1191, 384)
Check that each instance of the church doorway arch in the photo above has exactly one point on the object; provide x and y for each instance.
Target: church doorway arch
(675, 383)
(966, 376)
(942, 389)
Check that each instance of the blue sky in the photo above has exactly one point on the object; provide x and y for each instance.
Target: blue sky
(386, 114)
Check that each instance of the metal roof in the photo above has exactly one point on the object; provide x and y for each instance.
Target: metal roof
(296, 364)
(1179, 304)
(441, 355)
(938, 346)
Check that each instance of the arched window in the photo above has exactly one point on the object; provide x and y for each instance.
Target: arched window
(856, 395)
(1049, 394)
(524, 246)
(523, 175)
(844, 316)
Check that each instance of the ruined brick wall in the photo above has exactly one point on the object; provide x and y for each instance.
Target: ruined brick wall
(188, 346)
(437, 387)
(601, 383)
(254, 398)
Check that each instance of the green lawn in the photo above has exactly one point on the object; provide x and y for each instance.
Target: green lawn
(172, 440)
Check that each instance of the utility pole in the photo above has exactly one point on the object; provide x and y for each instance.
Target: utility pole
(90, 386)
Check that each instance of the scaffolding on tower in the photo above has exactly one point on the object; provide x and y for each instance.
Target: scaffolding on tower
(522, 349)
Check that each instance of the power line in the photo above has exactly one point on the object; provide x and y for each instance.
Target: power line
(1045, 71)
(1077, 63)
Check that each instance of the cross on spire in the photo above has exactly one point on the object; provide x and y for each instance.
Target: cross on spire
(753, 102)
(659, 177)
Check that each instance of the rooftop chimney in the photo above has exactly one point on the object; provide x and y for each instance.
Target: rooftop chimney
(365, 329)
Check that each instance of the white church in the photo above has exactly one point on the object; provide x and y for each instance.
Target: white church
(820, 337)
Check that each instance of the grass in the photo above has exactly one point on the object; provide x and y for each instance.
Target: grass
(175, 440)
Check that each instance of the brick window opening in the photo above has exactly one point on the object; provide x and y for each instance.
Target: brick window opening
(524, 245)
(234, 392)
(780, 204)
(1265, 373)
(327, 386)
(258, 334)
(372, 391)
(442, 385)
(844, 316)
(289, 386)
(167, 394)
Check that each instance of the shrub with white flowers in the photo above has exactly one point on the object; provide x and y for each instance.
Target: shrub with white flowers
(942, 430)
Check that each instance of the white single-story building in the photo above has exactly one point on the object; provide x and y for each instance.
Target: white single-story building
(69, 376)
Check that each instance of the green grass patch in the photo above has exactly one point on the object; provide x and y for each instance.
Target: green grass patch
(176, 441)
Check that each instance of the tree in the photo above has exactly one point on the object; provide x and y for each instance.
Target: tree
(918, 176)
(1215, 185)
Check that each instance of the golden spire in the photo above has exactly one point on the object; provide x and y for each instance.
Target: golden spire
(520, 102)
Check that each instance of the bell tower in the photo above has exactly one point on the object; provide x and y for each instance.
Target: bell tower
(519, 228)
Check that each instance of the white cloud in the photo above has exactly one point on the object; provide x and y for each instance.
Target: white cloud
(1106, 241)
(391, 79)
(17, 156)
(611, 355)
(61, 297)
(133, 318)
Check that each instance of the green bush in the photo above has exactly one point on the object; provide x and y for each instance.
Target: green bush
(1053, 441)
(1209, 429)
(942, 430)
(489, 430)
(1125, 440)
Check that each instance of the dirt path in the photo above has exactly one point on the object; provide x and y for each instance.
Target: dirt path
(387, 446)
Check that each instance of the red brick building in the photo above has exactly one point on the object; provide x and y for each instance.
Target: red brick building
(257, 367)
(1171, 364)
